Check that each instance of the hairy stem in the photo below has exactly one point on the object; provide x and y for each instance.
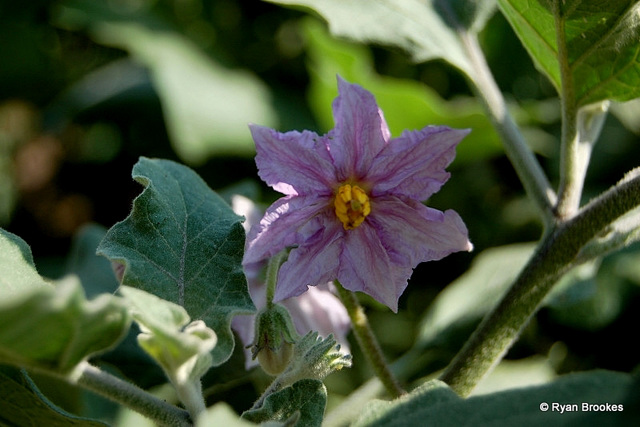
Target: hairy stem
(555, 255)
(272, 275)
(526, 165)
(368, 342)
(572, 165)
(133, 397)
(190, 394)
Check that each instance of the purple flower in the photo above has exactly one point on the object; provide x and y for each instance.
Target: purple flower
(352, 209)
(317, 310)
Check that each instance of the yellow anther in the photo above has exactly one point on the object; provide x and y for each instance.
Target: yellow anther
(352, 206)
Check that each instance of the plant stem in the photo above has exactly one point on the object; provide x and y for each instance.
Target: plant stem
(526, 165)
(190, 394)
(367, 341)
(555, 255)
(272, 275)
(572, 168)
(131, 396)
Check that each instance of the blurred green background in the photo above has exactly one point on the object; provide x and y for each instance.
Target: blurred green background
(88, 86)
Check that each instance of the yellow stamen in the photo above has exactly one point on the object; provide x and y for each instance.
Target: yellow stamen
(352, 206)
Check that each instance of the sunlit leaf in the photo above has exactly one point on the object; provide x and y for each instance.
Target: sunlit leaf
(406, 104)
(181, 348)
(425, 29)
(56, 328)
(18, 273)
(598, 42)
(615, 394)
(184, 244)
(50, 325)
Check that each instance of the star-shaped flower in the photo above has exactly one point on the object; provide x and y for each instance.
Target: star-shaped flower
(352, 209)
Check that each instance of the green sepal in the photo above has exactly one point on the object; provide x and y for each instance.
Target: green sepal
(274, 338)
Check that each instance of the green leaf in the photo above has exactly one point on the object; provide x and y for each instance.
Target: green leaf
(412, 25)
(17, 270)
(597, 43)
(22, 403)
(615, 394)
(469, 297)
(303, 402)
(180, 347)
(206, 105)
(406, 104)
(50, 326)
(57, 328)
(183, 243)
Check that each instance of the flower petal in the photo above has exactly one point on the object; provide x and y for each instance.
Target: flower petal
(413, 233)
(320, 310)
(360, 132)
(287, 222)
(315, 261)
(413, 165)
(293, 162)
(365, 266)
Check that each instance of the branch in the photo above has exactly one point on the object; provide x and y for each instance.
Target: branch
(557, 253)
(526, 165)
(131, 396)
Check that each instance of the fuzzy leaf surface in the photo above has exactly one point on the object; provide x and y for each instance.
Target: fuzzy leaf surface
(183, 243)
(51, 325)
(436, 402)
(183, 350)
(304, 402)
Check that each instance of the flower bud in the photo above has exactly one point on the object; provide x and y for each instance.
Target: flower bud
(274, 339)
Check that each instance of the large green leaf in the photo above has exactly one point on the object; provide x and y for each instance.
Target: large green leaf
(51, 325)
(183, 243)
(57, 328)
(426, 29)
(303, 402)
(406, 104)
(616, 396)
(22, 404)
(596, 42)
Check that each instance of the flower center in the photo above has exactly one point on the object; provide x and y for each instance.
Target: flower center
(352, 205)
